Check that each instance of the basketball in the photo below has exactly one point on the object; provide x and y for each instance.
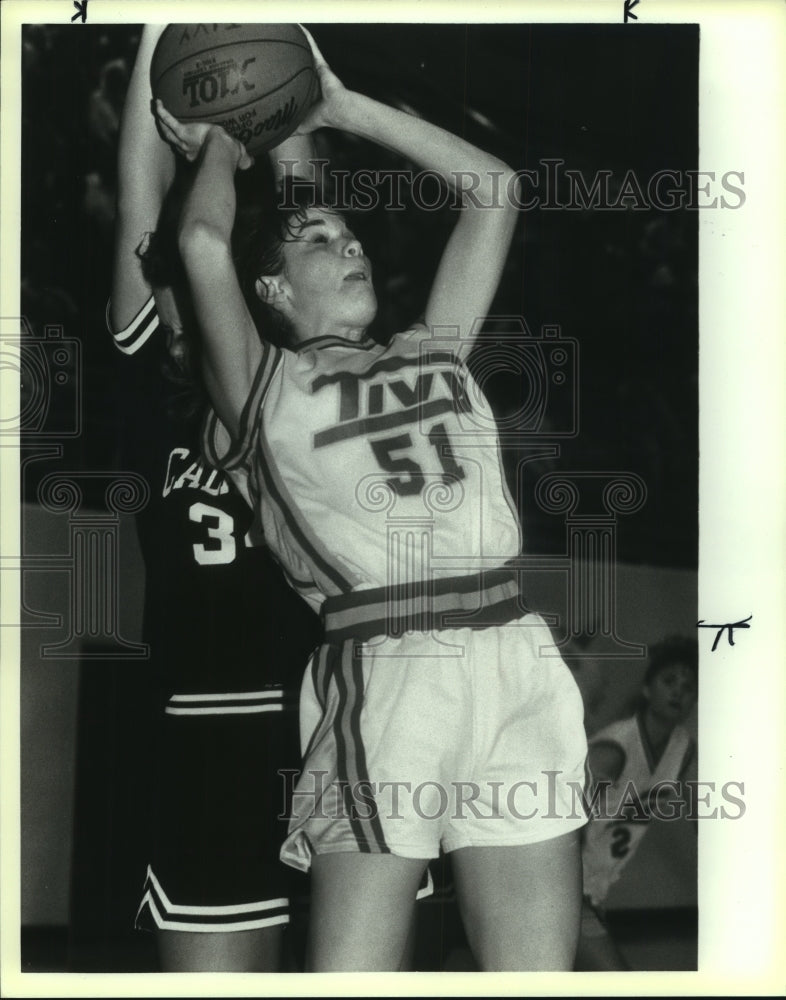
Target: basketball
(255, 80)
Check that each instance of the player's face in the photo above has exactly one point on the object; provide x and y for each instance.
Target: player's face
(327, 278)
(672, 692)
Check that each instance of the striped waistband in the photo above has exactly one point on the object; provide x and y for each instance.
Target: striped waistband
(482, 600)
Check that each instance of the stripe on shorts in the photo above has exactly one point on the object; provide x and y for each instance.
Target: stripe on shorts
(238, 703)
(167, 915)
(320, 674)
(352, 769)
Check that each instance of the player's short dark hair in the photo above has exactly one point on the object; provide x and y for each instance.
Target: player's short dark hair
(257, 242)
(261, 230)
(265, 219)
(674, 649)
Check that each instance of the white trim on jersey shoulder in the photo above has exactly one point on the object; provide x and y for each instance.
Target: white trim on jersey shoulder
(138, 331)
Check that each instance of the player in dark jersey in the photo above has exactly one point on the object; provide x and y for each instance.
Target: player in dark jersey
(229, 639)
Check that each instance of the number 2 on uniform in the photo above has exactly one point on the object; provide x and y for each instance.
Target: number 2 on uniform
(620, 842)
(221, 530)
(412, 481)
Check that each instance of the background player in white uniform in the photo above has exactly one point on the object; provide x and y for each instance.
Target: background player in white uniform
(324, 437)
(228, 637)
(635, 755)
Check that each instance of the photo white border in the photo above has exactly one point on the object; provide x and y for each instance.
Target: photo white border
(742, 890)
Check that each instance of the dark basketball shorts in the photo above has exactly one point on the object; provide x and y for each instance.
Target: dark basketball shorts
(220, 804)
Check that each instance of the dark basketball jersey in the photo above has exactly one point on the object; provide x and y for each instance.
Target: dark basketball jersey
(219, 617)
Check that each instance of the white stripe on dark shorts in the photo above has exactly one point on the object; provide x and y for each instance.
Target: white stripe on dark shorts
(235, 703)
(224, 710)
(238, 916)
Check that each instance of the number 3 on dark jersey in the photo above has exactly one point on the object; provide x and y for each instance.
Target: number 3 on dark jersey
(219, 545)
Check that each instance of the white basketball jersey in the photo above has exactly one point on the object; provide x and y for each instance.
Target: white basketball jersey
(610, 843)
(371, 465)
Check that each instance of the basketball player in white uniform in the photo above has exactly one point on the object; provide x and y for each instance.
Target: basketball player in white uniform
(388, 510)
(636, 756)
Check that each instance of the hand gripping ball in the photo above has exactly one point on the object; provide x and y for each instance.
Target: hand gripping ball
(256, 80)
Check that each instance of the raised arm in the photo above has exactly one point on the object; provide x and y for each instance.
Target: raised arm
(231, 348)
(146, 166)
(472, 262)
